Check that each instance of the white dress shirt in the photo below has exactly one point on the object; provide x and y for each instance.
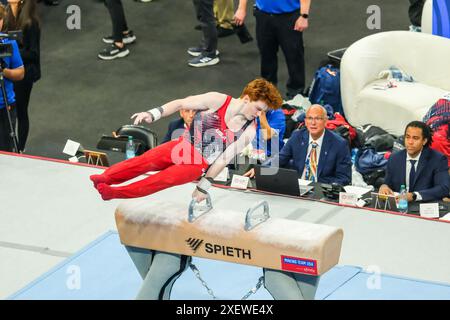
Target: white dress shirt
(319, 142)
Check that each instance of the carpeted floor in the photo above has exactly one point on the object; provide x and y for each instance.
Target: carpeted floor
(81, 97)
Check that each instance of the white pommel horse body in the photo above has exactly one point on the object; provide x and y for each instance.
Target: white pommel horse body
(227, 235)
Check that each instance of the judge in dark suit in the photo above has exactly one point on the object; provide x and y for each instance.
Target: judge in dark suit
(316, 153)
(422, 170)
(177, 127)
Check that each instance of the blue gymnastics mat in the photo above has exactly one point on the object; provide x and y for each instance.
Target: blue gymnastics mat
(103, 271)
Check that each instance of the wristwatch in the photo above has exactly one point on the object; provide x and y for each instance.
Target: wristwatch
(414, 196)
(304, 15)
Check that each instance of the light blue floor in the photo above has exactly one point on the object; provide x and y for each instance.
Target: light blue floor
(103, 270)
(365, 286)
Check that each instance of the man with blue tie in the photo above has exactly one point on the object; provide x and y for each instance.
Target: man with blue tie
(317, 154)
(422, 170)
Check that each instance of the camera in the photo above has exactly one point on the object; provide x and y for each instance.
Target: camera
(6, 48)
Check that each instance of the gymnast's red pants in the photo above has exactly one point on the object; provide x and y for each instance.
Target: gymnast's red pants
(177, 161)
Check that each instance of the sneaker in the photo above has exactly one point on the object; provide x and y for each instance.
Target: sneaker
(197, 51)
(203, 61)
(113, 52)
(127, 38)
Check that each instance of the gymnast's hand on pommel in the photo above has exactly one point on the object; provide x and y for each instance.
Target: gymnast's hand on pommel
(198, 195)
(142, 116)
(201, 191)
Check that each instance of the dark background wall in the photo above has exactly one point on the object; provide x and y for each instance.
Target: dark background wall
(81, 97)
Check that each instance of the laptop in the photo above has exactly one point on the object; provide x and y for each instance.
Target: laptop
(284, 181)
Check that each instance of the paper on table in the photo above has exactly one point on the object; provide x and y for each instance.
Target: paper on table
(239, 182)
(303, 182)
(357, 190)
(71, 147)
(429, 210)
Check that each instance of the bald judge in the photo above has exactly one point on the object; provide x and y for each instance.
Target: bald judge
(317, 153)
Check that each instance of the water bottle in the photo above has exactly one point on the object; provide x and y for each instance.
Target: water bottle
(130, 148)
(403, 200)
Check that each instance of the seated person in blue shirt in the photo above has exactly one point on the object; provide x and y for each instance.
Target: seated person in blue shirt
(178, 126)
(270, 130)
(317, 153)
(422, 170)
(13, 70)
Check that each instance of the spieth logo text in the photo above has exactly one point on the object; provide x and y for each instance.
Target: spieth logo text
(218, 249)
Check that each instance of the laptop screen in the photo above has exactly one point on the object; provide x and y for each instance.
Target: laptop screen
(277, 180)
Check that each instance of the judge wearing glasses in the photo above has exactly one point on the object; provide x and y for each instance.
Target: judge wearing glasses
(317, 154)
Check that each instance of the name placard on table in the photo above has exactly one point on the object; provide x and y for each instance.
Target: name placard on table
(239, 182)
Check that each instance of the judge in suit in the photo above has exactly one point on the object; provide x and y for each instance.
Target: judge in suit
(317, 154)
(177, 127)
(422, 170)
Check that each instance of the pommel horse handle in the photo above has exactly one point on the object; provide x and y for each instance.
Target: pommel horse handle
(248, 217)
(192, 215)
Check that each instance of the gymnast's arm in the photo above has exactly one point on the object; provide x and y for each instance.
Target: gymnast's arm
(207, 101)
(221, 162)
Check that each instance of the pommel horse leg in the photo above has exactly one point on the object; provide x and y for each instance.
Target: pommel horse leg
(284, 285)
(159, 270)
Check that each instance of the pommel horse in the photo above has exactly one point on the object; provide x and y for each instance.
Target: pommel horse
(251, 238)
